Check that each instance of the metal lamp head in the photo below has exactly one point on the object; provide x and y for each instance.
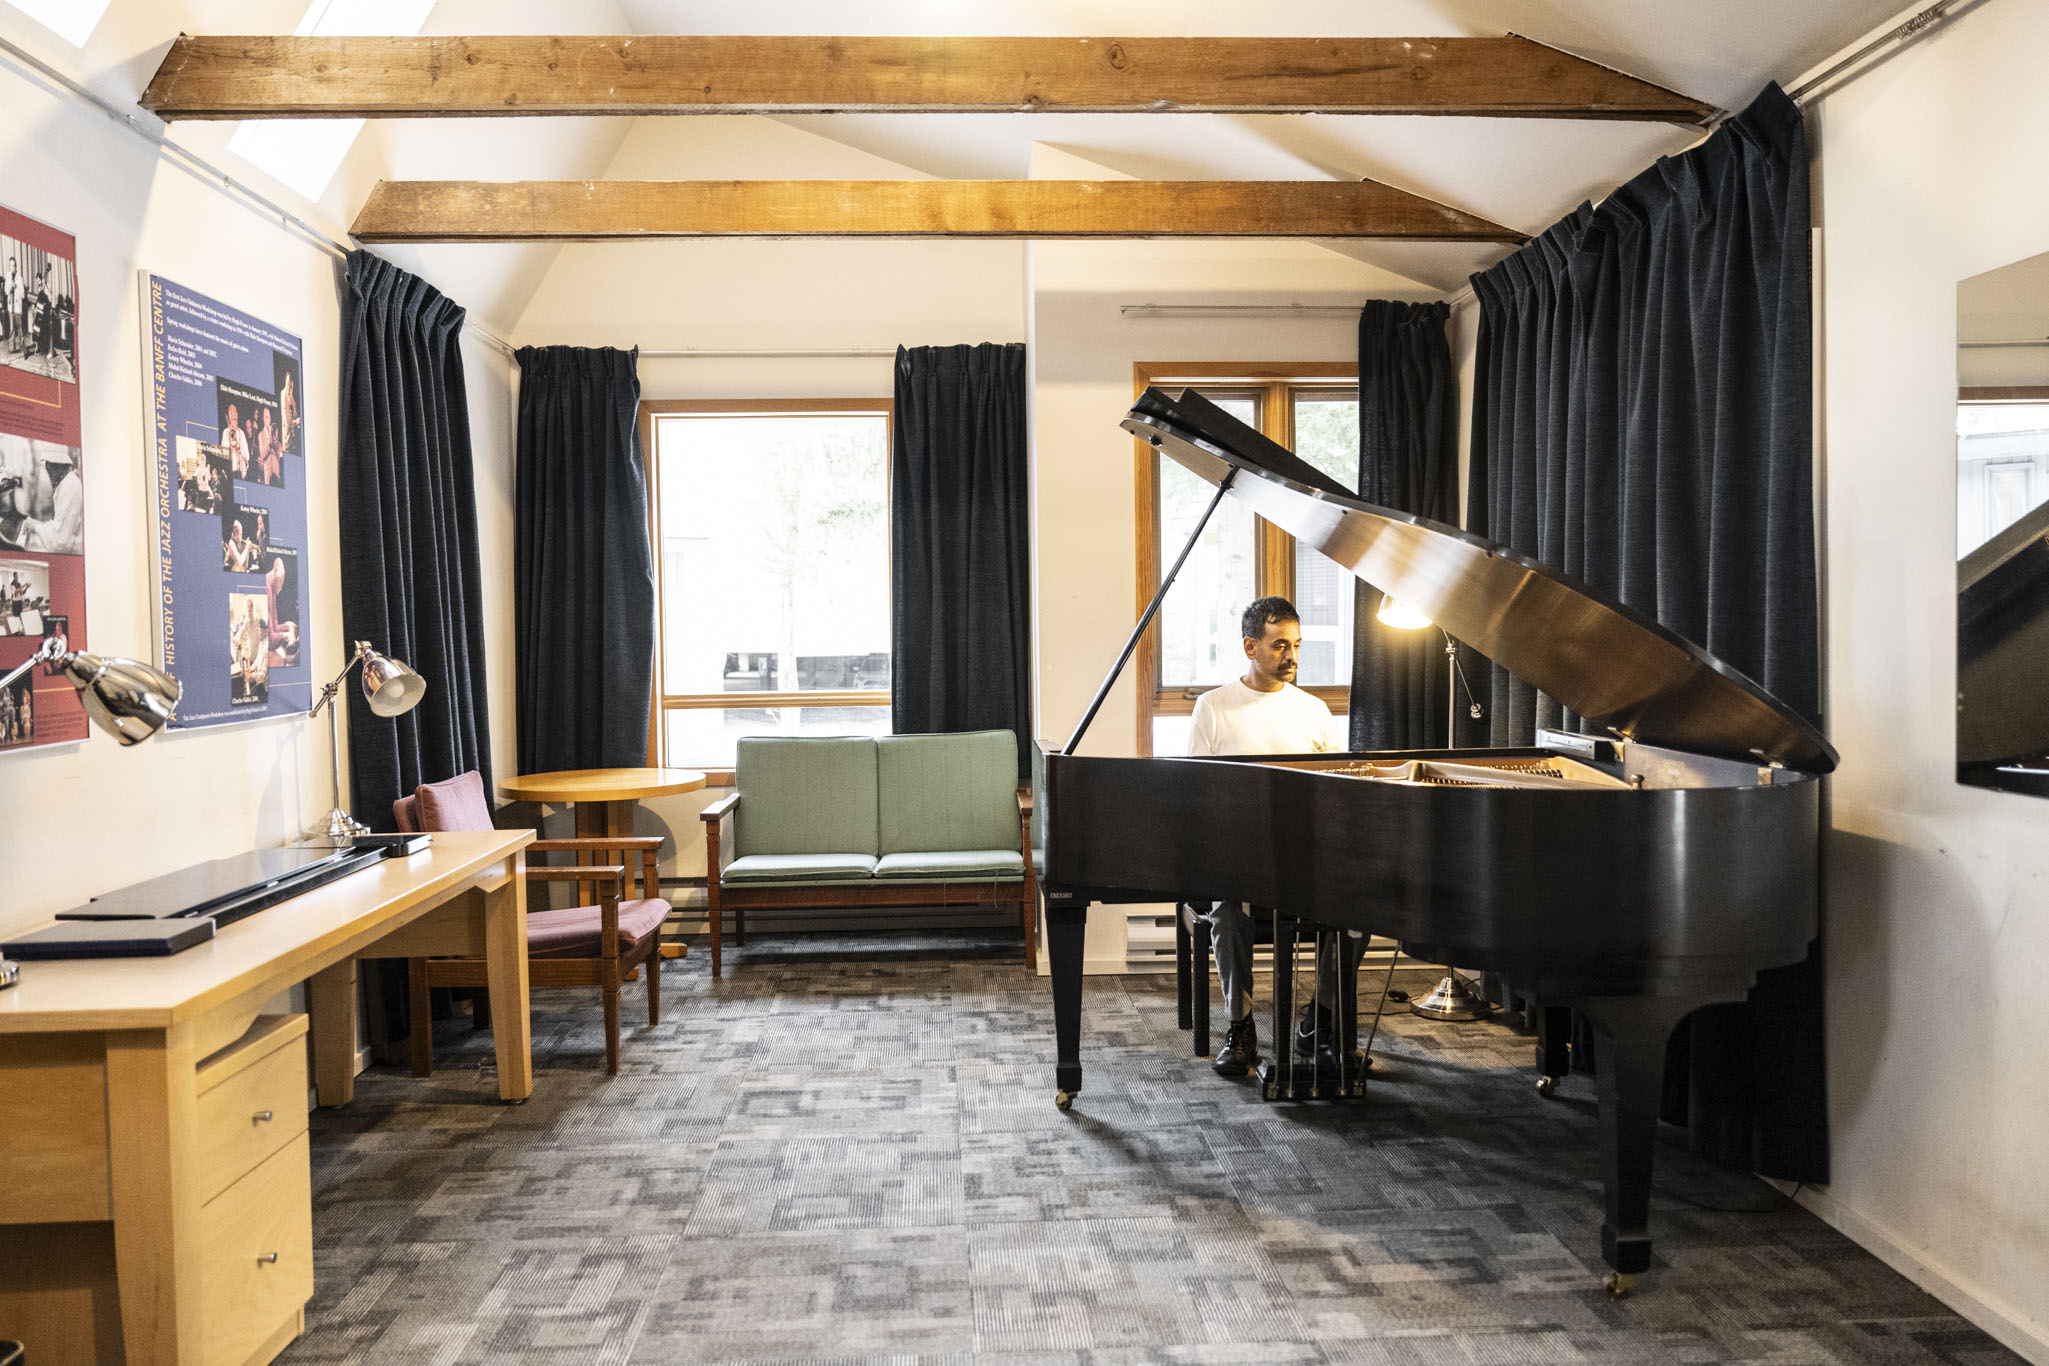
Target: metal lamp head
(130, 699)
(389, 685)
(1399, 615)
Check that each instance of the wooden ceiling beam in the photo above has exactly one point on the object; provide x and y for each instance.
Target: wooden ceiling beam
(291, 77)
(543, 210)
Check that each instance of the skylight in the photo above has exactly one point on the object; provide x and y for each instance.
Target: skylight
(305, 153)
(71, 20)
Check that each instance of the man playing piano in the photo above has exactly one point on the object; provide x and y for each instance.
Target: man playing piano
(1263, 712)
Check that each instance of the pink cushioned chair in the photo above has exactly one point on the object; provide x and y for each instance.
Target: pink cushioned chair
(597, 945)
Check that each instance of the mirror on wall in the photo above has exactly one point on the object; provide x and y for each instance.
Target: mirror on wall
(2002, 456)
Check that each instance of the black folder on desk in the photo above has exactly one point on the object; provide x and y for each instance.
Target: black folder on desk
(111, 938)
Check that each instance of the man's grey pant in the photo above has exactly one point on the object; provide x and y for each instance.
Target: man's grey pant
(1230, 929)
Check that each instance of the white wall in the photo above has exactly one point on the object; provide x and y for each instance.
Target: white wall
(1938, 909)
(80, 819)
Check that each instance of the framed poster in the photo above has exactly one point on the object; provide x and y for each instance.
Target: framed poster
(42, 484)
(230, 459)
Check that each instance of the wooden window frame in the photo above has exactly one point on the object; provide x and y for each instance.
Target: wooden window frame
(1275, 385)
(652, 411)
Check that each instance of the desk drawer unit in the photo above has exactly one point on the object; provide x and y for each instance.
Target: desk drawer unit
(252, 1101)
(256, 1255)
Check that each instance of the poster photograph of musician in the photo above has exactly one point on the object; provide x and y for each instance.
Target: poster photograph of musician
(231, 506)
(42, 483)
(38, 309)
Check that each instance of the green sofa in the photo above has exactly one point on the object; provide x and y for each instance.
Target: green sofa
(894, 820)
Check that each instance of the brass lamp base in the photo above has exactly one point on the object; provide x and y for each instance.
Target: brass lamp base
(1453, 998)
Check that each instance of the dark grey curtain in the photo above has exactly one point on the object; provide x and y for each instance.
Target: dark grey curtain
(958, 543)
(583, 576)
(409, 573)
(1641, 419)
(409, 569)
(1408, 431)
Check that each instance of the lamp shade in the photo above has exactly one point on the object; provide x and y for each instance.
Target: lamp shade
(1399, 615)
(389, 685)
(130, 699)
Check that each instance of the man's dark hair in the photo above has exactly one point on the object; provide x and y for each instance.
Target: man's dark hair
(1267, 611)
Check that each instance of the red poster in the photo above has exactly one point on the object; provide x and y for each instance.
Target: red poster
(42, 479)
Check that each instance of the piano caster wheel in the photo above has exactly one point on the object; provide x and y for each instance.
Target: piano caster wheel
(1619, 1284)
(1546, 1086)
(1063, 1100)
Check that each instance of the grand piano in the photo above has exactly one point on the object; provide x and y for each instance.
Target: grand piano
(1634, 877)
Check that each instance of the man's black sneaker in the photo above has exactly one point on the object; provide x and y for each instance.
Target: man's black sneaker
(1240, 1050)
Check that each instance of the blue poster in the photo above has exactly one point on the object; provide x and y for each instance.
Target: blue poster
(229, 432)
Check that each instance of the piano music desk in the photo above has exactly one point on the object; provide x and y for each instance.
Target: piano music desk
(155, 1198)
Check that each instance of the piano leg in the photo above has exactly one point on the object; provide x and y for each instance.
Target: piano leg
(1067, 921)
(1183, 970)
(1630, 1034)
(1554, 1046)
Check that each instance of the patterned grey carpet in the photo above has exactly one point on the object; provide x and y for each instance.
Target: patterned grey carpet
(848, 1150)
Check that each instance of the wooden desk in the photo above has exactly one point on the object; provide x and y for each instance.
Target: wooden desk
(154, 1187)
(604, 797)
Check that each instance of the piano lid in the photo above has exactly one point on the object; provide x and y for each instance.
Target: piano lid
(1616, 667)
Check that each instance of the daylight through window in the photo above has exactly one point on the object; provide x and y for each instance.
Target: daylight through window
(771, 530)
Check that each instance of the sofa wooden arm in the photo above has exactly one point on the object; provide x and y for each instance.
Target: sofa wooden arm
(1024, 799)
(716, 812)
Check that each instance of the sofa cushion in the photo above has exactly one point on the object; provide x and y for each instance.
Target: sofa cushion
(953, 865)
(575, 933)
(799, 868)
(947, 792)
(804, 794)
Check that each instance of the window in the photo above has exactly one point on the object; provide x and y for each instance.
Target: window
(305, 153)
(71, 20)
(771, 528)
(1193, 646)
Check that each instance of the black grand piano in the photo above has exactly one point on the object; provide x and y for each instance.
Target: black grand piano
(1635, 880)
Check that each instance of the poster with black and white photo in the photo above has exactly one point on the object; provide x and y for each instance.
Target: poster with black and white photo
(42, 483)
(231, 507)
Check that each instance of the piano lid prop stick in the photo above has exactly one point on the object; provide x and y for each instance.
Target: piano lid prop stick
(1151, 609)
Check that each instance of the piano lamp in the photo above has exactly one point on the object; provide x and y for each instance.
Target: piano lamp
(124, 697)
(1453, 998)
(392, 689)
(1399, 615)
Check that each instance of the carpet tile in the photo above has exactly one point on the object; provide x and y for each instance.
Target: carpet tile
(847, 1151)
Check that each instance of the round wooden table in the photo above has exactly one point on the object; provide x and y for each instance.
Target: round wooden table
(603, 797)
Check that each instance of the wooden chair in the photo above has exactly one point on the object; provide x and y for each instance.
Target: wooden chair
(600, 945)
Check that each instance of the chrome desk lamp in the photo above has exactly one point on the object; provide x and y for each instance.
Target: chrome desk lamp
(392, 689)
(129, 699)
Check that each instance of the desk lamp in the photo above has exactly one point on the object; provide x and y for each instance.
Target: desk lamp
(127, 698)
(392, 689)
(1453, 998)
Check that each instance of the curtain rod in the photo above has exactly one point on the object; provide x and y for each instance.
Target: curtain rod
(202, 169)
(1896, 37)
(1186, 310)
(763, 352)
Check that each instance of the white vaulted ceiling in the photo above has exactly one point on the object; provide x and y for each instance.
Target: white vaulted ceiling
(1525, 173)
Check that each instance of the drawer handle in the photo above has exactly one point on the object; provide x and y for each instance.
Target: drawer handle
(267, 1259)
(264, 1116)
